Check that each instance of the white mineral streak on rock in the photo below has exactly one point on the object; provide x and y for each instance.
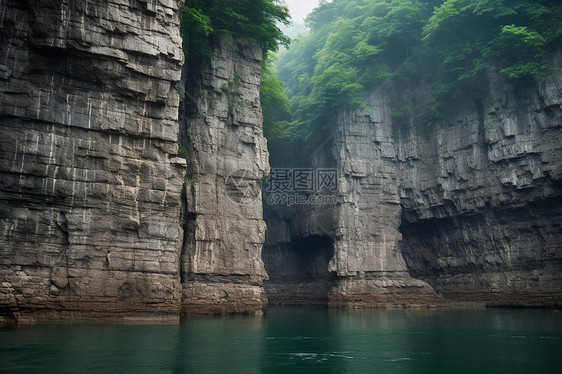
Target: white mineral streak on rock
(104, 201)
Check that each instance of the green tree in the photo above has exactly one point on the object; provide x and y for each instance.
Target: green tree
(458, 47)
(252, 19)
(258, 20)
(354, 46)
(470, 38)
(275, 108)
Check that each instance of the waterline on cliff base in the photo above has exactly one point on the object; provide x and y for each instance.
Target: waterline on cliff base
(303, 340)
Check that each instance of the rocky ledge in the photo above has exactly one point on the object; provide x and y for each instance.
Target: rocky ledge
(347, 253)
(482, 199)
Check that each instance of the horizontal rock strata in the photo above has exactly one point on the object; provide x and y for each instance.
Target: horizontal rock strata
(90, 189)
(358, 263)
(469, 211)
(221, 119)
(482, 198)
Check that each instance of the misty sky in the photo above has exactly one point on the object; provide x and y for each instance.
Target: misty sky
(300, 8)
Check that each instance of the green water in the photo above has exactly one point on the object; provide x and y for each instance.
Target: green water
(298, 340)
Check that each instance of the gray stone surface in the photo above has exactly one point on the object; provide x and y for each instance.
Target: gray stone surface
(361, 237)
(90, 188)
(369, 265)
(221, 120)
(470, 209)
(482, 199)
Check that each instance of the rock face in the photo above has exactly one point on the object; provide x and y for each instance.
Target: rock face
(370, 268)
(471, 209)
(297, 254)
(221, 125)
(100, 219)
(90, 187)
(93, 212)
(482, 200)
(359, 250)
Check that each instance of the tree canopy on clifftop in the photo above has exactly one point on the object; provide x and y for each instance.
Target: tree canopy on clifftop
(257, 20)
(456, 47)
(252, 19)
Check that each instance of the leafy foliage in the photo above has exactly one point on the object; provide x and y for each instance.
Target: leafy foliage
(252, 19)
(274, 102)
(276, 111)
(357, 46)
(468, 38)
(353, 47)
(183, 151)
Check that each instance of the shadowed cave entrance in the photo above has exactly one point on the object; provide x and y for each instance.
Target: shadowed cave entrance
(298, 271)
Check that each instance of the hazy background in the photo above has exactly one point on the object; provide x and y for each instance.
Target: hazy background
(299, 9)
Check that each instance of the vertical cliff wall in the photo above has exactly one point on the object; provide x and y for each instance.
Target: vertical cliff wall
(89, 183)
(470, 208)
(221, 122)
(351, 245)
(370, 267)
(298, 250)
(482, 199)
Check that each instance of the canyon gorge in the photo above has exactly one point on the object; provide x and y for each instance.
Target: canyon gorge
(101, 219)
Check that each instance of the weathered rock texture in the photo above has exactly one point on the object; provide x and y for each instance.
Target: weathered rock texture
(471, 209)
(482, 200)
(89, 187)
(363, 265)
(297, 261)
(370, 268)
(221, 122)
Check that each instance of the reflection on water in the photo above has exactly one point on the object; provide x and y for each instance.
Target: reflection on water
(298, 340)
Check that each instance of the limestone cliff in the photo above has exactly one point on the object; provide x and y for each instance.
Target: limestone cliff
(100, 218)
(352, 246)
(482, 199)
(471, 209)
(221, 125)
(94, 200)
(90, 188)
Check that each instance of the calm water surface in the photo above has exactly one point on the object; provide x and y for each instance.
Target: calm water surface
(298, 340)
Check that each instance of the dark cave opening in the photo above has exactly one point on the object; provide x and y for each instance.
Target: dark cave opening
(298, 271)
